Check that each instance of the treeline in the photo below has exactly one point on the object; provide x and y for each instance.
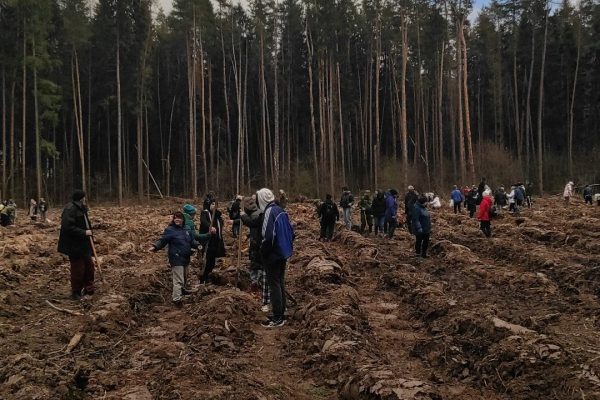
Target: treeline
(307, 95)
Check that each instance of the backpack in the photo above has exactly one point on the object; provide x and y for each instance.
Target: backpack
(284, 235)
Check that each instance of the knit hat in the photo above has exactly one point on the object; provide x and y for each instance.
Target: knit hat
(189, 209)
(78, 195)
(263, 197)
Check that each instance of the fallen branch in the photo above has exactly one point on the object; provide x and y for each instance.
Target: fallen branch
(74, 342)
(64, 309)
(516, 329)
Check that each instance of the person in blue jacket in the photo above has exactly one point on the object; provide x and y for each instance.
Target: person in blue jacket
(391, 209)
(421, 221)
(457, 199)
(275, 248)
(180, 242)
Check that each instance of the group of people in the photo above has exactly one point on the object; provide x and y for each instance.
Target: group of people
(588, 194)
(8, 212)
(38, 210)
(271, 237)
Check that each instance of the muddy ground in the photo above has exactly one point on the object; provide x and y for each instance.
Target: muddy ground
(512, 317)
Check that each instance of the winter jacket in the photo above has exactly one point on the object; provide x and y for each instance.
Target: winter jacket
(587, 192)
(391, 207)
(519, 194)
(328, 212)
(72, 240)
(347, 200)
(472, 197)
(456, 196)
(277, 235)
(409, 201)
(568, 190)
(485, 209)
(190, 226)
(215, 243)
(253, 219)
(236, 208)
(378, 206)
(365, 205)
(421, 220)
(180, 242)
(500, 198)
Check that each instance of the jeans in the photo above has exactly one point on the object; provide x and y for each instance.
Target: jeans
(348, 217)
(178, 273)
(379, 221)
(82, 275)
(421, 244)
(276, 280)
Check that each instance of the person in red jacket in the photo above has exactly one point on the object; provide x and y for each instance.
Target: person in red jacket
(484, 216)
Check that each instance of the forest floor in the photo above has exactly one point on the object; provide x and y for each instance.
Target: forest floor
(512, 317)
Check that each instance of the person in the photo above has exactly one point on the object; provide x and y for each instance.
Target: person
(346, 202)
(282, 200)
(328, 213)
(568, 192)
(485, 214)
(391, 211)
(33, 209)
(410, 199)
(189, 213)
(434, 201)
(457, 199)
(500, 198)
(366, 214)
(7, 214)
(43, 208)
(12, 211)
(215, 247)
(421, 226)
(472, 201)
(587, 194)
(529, 188)
(512, 200)
(180, 241)
(74, 241)
(234, 215)
(210, 196)
(276, 247)
(480, 189)
(519, 195)
(253, 219)
(465, 192)
(378, 211)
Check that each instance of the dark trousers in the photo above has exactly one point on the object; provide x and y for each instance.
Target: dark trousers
(422, 243)
(366, 219)
(276, 280)
(327, 228)
(391, 223)
(235, 229)
(486, 228)
(588, 200)
(472, 208)
(82, 275)
(211, 260)
(457, 207)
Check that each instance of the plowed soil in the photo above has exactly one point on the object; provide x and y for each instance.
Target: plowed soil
(516, 316)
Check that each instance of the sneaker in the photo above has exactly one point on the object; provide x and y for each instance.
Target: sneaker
(273, 323)
(265, 308)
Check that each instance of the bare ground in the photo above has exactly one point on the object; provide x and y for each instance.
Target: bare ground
(513, 317)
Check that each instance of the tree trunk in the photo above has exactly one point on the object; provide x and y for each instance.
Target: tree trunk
(540, 154)
(466, 100)
(572, 108)
(24, 119)
(403, 114)
(313, 129)
(459, 103)
(119, 128)
(38, 152)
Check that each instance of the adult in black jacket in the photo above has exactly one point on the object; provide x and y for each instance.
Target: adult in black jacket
(215, 248)
(253, 219)
(234, 215)
(378, 210)
(328, 213)
(410, 199)
(74, 242)
(480, 189)
(472, 200)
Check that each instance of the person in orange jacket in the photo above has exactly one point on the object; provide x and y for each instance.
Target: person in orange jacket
(485, 214)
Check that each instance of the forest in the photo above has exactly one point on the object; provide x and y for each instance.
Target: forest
(308, 95)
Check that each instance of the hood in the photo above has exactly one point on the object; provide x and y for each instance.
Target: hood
(263, 197)
(189, 209)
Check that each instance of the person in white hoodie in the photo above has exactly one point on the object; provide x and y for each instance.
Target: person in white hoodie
(512, 201)
(568, 192)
